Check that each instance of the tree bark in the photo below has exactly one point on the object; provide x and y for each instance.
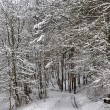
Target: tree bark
(62, 65)
(65, 73)
(79, 83)
(84, 80)
(74, 84)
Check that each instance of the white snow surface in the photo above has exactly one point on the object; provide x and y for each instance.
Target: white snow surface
(4, 102)
(65, 101)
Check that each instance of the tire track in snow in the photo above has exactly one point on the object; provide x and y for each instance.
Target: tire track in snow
(61, 102)
(66, 102)
(58, 103)
(75, 103)
(72, 102)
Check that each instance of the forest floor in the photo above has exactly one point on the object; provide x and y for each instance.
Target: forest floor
(66, 101)
(4, 103)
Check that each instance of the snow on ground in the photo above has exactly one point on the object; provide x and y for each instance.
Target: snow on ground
(66, 101)
(57, 101)
(4, 102)
(41, 105)
(86, 104)
(93, 106)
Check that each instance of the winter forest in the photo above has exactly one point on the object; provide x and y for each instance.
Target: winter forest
(54, 54)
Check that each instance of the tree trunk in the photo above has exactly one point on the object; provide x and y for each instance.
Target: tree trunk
(84, 78)
(79, 83)
(17, 99)
(74, 84)
(40, 85)
(10, 91)
(65, 74)
(62, 65)
(70, 81)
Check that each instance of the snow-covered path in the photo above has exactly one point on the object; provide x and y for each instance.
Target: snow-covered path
(67, 102)
(57, 101)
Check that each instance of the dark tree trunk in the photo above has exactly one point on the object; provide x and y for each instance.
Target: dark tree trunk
(62, 65)
(65, 74)
(79, 83)
(17, 99)
(74, 84)
(70, 83)
(84, 80)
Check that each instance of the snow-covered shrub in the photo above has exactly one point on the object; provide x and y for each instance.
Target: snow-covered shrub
(97, 89)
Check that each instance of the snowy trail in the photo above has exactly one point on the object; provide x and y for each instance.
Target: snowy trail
(57, 101)
(67, 102)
